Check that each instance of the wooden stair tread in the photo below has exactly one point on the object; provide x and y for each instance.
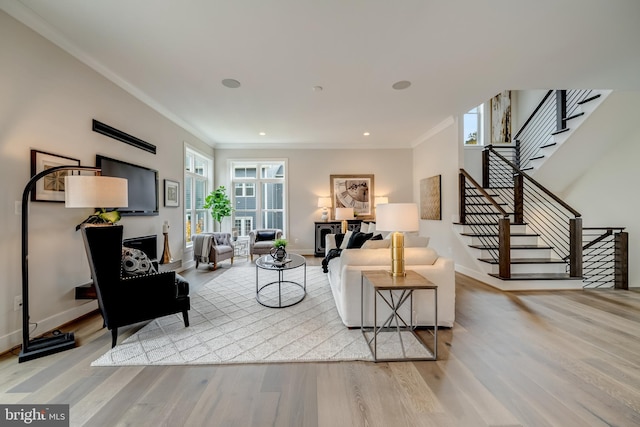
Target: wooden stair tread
(495, 235)
(574, 116)
(520, 247)
(525, 261)
(537, 276)
(591, 98)
(558, 132)
(548, 145)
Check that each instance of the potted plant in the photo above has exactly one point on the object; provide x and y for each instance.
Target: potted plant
(101, 217)
(278, 252)
(219, 204)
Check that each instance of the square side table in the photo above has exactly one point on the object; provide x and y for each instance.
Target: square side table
(382, 281)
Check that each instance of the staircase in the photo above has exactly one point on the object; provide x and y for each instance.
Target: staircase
(521, 234)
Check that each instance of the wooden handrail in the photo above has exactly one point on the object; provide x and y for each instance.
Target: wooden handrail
(484, 193)
(536, 183)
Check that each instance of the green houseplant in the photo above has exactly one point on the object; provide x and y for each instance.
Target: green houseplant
(219, 204)
(280, 243)
(101, 217)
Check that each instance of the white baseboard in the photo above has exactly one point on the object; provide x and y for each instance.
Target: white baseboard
(13, 339)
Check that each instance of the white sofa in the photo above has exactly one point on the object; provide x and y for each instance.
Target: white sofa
(345, 278)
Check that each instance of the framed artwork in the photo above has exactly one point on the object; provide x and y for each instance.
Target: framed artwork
(171, 193)
(501, 118)
(430, 206)
(353, 191)
(51, 187)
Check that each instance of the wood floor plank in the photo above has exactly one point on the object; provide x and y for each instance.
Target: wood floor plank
(543, 358)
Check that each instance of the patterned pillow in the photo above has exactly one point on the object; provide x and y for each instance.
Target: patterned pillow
(135, 262)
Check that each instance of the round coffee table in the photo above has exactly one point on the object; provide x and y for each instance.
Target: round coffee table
(281, 293)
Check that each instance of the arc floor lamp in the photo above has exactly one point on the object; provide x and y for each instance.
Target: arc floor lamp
(81, 191)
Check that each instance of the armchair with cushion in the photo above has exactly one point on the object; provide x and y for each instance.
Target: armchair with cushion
(212, 248)
(125, 300)
(261, 241)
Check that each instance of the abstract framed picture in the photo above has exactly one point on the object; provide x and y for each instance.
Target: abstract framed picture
(430, 206)
(171, 193)
(501, 118)
(353, 191)
(51, 187)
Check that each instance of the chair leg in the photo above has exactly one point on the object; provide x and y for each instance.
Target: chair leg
(114, 337)
(197, 262)
(185, 316)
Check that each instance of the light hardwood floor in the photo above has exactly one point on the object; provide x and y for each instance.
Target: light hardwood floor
(567, 358)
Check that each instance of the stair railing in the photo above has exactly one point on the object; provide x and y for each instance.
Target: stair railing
(549, 117)
(494, 221)
(605, 257)
(558, 225)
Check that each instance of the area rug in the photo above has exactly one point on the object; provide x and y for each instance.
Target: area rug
(228, 325)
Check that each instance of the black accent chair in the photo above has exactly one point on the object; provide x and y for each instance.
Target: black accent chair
(127, 300)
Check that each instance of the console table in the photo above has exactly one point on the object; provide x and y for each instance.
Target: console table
(322, 228)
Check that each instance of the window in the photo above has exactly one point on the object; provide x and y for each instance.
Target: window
(198, 172)
(259, 200)
(473, 126)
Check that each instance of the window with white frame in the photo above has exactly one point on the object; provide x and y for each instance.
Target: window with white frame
(473, 126)
(259, 195)
(198, 179)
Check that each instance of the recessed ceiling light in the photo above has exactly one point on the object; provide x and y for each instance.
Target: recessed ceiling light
(318, 88)
(262, 133)
(231, 83)
(366, 134)
(402, 84)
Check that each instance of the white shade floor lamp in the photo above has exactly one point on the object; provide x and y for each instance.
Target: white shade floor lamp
(397, 218)
(81, 191)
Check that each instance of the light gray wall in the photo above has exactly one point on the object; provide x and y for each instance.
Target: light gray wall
(48, 101)
(308, 179)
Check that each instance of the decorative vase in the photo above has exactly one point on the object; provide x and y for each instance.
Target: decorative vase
(279, 253)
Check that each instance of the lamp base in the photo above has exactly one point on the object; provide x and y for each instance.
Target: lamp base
(41, 347)
(397, 255)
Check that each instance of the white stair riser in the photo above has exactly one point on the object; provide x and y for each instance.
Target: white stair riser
(515, 253)
(515, 240)
(531, 268)
(465, 228)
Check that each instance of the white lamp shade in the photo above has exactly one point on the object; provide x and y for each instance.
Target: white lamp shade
(397, 217)
(380, 201)
(84, 191)
(344, 213)
(324, 202)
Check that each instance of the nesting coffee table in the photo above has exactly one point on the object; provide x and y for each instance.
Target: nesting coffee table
(281, 293)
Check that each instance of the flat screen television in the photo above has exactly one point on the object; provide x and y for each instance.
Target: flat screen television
(142, 185)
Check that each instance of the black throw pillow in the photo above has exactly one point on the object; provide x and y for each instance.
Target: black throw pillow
(357, 240)
(377, 237)
(262, 236)
(339, 239)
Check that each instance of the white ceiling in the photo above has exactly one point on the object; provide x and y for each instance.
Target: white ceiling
(173, 55)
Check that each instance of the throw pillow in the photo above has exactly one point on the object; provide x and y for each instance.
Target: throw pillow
(339, 239)
(357, 240)
(345, 241)
(372, 227)
(376, 244)
(263, 235)
(135, 262)
(377, 237)
(416, 241)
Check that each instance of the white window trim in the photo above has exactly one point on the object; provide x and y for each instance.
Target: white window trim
(258, 189)
(210, 163)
